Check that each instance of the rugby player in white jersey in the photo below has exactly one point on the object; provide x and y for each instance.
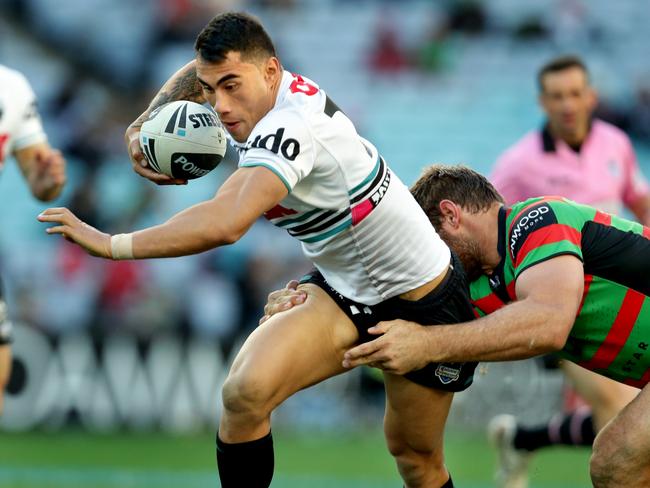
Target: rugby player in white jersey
(304, 167)
(22, 136)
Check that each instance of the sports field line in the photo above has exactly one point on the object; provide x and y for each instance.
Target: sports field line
(28, 477)
(40, 477)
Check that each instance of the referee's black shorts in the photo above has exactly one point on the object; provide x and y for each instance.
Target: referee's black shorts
(448, 303)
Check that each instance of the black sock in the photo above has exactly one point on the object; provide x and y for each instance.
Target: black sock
(246, 464)
(448, 484)
(575, 429)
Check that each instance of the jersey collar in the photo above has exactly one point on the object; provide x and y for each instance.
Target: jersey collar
(548, 142)
(497, 278)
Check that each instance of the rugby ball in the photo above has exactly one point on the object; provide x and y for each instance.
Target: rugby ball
(183, 139)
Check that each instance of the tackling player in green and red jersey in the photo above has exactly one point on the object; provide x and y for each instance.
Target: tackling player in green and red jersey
(607, 335)
(547, 275)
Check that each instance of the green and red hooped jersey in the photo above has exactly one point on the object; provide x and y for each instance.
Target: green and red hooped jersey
(611, 334)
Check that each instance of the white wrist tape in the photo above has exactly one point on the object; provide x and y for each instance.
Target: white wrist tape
(122, 246)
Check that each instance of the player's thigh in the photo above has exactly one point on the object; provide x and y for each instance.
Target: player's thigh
(297, 348)
(415, 415)
(605, 396)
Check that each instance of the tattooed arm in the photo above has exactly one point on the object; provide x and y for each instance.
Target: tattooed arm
(183, 85)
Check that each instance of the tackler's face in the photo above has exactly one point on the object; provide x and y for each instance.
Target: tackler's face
(242, 91)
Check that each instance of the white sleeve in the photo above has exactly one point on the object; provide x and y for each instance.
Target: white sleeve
(282, 143)
(28, 129)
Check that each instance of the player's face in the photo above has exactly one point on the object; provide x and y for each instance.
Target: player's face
(467, 251)
(241, 91)
(568, 100)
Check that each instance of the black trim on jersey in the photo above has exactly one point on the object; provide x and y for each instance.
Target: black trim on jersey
(548, 142)
(373, 186)
(497, 278)
(616, 255)
(331, 108)
(334, 220)
(532, 219)
(309, 224)
(172, 122)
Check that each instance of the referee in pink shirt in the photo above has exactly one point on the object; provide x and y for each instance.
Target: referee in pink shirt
(590, 161)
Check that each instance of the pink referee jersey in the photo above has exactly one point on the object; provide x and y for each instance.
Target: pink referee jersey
(604, 173)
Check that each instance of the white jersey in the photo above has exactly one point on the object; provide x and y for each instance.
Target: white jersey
(357, 222)
(20, 124)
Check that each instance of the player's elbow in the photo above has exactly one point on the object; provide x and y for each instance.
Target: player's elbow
(557, 334)
(225, 235)
(556, 343)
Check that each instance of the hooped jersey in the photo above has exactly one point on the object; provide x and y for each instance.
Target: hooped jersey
(20, 124)
(611, 333)
(357, 222)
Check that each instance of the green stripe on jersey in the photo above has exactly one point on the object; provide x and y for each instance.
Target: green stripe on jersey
(336, 230)
(304, 216)
(271, 168)
(368, 179)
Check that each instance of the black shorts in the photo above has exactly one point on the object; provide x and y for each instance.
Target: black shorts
(449, 303)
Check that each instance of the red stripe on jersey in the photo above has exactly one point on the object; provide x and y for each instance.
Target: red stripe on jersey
(548, 235)
(489, 303)
(534, 204)
(619, 333)
(646, 232)
(279, 211)
(588, 280)
(602, 218)
(361, 211)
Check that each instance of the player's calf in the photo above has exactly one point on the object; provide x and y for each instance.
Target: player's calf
(419, 468)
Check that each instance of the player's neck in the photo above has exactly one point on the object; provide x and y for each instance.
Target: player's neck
(573, 138)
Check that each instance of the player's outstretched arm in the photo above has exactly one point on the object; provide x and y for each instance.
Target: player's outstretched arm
(44, 170)
(242, 199)
(183, 85)
(549, 295)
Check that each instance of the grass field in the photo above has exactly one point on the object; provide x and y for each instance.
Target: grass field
(75, 459)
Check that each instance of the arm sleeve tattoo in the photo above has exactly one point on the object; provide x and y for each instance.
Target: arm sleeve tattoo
(182, 86)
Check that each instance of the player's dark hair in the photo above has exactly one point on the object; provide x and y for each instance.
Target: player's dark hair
(560, 63)
(458, 183)
(233, 31)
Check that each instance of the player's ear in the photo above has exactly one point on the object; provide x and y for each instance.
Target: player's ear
(592, 93)
(272, 68)
(450, 212)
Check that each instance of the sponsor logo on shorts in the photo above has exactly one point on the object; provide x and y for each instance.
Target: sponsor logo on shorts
(447, 374)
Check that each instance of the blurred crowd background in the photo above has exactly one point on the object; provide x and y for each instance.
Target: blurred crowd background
(426, 81)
